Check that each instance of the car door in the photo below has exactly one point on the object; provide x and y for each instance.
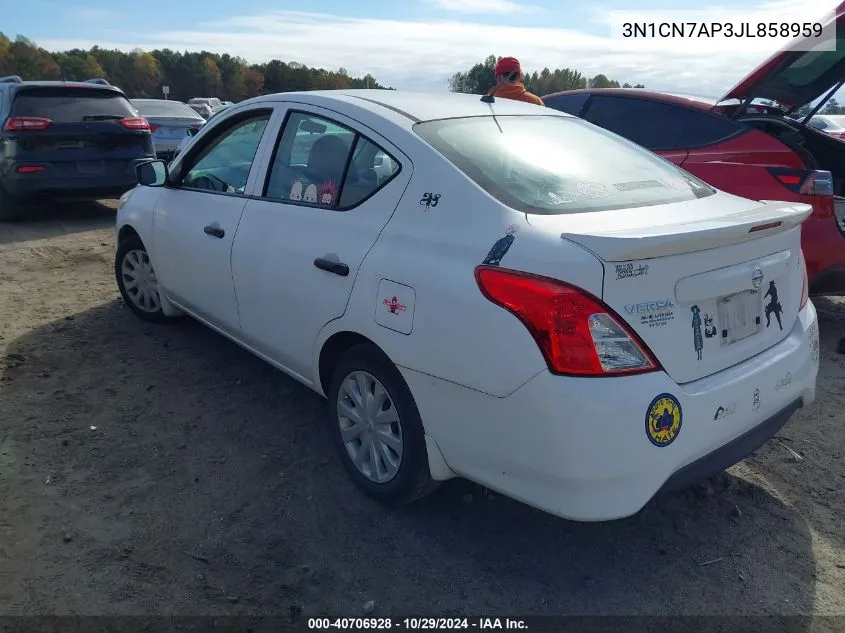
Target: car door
(196, 218)
(331, 186)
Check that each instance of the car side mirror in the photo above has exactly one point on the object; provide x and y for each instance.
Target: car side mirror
(152, 173)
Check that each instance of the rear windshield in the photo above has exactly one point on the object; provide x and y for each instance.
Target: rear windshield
(71, 105)
(164, 108)
(554, 165)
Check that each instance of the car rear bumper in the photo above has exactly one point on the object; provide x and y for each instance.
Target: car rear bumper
(578, 447)
(54, 183)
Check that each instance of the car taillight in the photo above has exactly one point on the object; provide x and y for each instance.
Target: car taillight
(805, 283)
(26, 124)
(804, 182)
(135, 123)
(577, 333)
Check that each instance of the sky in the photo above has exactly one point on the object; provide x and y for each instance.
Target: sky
(419, 44)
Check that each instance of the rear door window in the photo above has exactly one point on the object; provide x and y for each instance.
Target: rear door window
(657, 125)
(558, 165)
(72, 105)
(321, 162)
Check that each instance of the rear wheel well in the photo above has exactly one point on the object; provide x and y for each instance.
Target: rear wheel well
(126, 232)
(333, 349)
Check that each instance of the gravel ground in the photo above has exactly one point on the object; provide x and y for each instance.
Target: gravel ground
(163, 470)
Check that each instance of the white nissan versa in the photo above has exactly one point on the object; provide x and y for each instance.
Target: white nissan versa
(483, 288)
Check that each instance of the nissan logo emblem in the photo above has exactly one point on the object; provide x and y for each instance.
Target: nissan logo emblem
(757, 277)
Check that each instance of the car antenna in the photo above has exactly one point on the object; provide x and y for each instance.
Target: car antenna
(490, 99)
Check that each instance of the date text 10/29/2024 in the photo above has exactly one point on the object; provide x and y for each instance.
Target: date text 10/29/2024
(416, 624)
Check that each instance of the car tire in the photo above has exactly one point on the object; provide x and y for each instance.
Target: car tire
(412, 478)
(11, 210)
(136, 281)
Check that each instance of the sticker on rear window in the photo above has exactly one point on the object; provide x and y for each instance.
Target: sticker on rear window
(328, 193)
(636, 185)
(592, 189)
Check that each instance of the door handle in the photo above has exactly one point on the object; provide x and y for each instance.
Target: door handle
(214, 231)
(333, 267)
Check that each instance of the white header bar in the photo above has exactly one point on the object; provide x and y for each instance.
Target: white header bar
(724, 30)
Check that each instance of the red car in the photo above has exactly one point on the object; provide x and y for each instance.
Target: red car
(757, 152)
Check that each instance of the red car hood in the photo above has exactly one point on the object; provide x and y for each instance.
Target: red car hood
(796, 77)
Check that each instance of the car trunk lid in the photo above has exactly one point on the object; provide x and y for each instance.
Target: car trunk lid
(795, 77)
(172, 129)
(703, 290)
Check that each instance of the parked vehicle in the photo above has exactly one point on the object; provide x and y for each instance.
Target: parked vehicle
(203, 109)
(496, 291)
(170, 122)
(213, 103)
(761, 156)
(833, 124)
(66, 140)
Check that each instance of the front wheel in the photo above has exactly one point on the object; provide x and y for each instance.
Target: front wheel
(137, 281)
(377, 428)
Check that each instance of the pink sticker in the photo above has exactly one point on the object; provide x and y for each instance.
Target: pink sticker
(328, 192)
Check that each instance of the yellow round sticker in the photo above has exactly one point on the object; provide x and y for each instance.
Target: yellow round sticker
(663, 420)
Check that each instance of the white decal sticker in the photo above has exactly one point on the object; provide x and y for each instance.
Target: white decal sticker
(592, 189)
(296, 191)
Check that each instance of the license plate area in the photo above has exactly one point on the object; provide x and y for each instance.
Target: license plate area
(740, 316)
(91, 166)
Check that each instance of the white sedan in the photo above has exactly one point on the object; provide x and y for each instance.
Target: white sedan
(490, 290)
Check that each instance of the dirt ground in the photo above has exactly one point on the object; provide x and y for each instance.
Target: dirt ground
(163, 470)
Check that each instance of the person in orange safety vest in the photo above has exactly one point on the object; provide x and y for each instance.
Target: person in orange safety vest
(509, 84)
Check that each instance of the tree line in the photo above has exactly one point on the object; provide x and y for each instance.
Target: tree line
(142, 74)
(479, 79)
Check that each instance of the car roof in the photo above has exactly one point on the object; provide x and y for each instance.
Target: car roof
(414, 106)
(692, 101)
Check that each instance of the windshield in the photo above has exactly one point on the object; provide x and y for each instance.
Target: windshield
(553, 164)
(155, 107)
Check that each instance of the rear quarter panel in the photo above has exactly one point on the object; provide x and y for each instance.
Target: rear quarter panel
(457, 334)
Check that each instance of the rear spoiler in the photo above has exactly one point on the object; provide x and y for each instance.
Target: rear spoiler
(675, 238)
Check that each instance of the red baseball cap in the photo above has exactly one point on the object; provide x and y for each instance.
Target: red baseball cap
(507, 65)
